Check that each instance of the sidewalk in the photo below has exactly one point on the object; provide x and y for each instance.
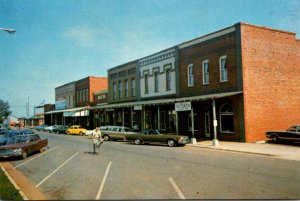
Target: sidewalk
(281, 151)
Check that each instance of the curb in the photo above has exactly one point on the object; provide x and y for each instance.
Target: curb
(29, 191)
(230, 150)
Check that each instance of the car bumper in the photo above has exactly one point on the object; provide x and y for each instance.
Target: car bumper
(10, 153)
(183, 141)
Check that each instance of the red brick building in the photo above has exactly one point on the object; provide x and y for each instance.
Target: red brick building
(240, 81)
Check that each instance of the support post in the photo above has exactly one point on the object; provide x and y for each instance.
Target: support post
(215, 140)
(193, 140)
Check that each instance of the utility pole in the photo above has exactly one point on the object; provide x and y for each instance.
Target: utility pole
(27, 111)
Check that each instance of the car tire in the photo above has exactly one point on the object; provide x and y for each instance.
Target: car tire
(106, 138)
(80, 133)
(275, 138)
(24, 154)
(137, 141)
(171, 143)
(68, 133)
(42, 149)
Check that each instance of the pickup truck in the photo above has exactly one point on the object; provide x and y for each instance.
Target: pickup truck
(22, 145)
(154, 136)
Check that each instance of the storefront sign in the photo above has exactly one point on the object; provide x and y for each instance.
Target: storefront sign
(137, 107)
(183, 106)
(60, 105)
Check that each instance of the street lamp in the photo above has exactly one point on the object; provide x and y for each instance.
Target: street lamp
(11, 31)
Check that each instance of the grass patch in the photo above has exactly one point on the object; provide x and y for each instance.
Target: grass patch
(7, 190)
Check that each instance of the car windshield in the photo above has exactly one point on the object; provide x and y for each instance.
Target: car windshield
(292, 129)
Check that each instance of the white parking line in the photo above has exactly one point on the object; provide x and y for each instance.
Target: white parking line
(34, 157)
(103, 182)
(56, 170)
(176, 188)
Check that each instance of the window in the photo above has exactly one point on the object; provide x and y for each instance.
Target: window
(133, 87)
(226, 119)
(168, 79)
(120, 89)
(191, 75)
(114, 90)
(146, 84)
(87, 94)
(223, 69)
(126, 88)
(83, 95)
(205, 72)
(156, 81)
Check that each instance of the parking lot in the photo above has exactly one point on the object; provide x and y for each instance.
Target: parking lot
(70, 170)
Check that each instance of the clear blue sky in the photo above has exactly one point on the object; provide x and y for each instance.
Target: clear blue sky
(59, 41)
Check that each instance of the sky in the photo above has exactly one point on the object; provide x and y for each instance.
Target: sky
(60, 41)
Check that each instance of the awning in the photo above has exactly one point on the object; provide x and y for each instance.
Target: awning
(166, 101)
(69, 110)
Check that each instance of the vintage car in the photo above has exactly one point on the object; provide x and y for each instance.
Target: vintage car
(41, 127)
(154, 136)
(60, 129)
(116, 133)
(51, 128)
(292, 133)
(76, 129)
(22, 145)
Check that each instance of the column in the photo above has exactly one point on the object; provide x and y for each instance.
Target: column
(193, 140)
(215, 141)
(158, 117)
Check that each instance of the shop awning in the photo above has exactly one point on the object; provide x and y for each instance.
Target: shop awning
(166, 101)
(71, 110)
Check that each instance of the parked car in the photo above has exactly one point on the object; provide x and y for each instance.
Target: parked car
(90, 132)
(60, 130)
(292, 133)
(116, 133)
(23, 146)
(154, 136)
(41, 127)
(50, 128)
(76, 129)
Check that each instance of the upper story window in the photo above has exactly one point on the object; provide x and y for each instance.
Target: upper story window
(205, 71)
(191, 75)
(114, 90)
(133, 87)
(156, 81)
(126, 88)
(168, 79)
(120, 89)
(223, 69)
(146, 83)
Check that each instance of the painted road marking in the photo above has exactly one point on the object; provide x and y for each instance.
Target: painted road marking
(56, 170)
(35, 157)
(176, 188)
(103, 181)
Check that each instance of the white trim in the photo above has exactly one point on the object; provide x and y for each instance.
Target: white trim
(207, 37)
(203, 72)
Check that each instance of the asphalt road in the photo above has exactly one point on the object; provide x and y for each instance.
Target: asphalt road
(69, 170)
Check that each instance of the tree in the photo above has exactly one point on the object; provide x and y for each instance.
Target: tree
(4, 110)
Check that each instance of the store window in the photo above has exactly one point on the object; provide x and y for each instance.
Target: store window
(226, 119)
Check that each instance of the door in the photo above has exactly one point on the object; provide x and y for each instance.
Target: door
(207, 124)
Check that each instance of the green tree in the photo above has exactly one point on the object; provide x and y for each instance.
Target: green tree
(4, 110)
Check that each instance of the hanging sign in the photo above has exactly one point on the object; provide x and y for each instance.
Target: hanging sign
(137, 107)
(183, 106)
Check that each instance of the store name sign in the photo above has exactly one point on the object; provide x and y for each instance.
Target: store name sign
(183, 106)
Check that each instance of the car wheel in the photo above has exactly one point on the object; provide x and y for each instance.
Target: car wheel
(275, 138)
(80, 133)
(106, 138)
(24, 154)
(68, 133)
(137, 141)
(42, 149)
(171, 143)
(57, 132)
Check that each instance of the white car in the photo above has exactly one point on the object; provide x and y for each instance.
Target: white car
(90, 132)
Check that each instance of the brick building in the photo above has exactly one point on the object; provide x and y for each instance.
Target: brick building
(233, 84)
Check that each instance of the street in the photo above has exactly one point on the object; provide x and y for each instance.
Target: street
(70, 170)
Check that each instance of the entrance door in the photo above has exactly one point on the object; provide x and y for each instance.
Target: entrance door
(207, 124)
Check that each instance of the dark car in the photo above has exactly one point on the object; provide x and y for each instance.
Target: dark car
(154, 136)
(293, 133)
(22, 145)
(60, 129)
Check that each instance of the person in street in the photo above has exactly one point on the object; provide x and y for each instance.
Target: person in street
(97, 140)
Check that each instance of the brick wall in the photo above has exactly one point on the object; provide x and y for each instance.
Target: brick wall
(210, 50)
(271, 84)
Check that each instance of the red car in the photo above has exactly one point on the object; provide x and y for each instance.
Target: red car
(22, 145)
